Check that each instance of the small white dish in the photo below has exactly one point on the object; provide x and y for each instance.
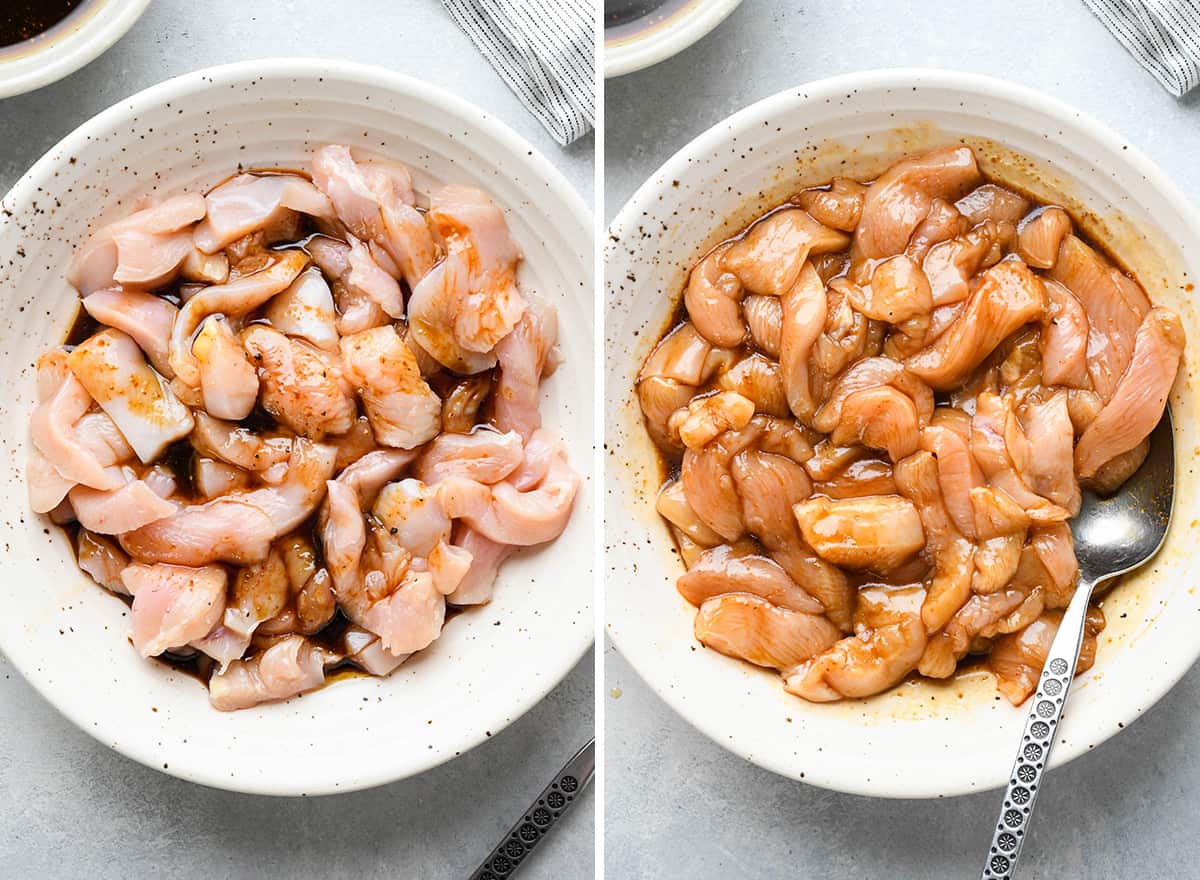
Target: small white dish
(658, 35)
(79, 38)
(68, 637)
(921, 739)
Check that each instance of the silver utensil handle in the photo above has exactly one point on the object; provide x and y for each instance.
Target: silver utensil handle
(542, 815)
(1045, 709)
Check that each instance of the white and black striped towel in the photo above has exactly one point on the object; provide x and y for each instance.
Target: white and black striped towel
(545, 51)
(1163, 35)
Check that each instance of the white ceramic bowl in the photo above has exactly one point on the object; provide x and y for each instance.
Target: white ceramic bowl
(66, 47)
(68, 637)
(920, 739)
(638, 46)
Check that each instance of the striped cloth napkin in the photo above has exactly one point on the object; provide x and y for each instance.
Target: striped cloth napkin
(545, 51)
(1163, 35)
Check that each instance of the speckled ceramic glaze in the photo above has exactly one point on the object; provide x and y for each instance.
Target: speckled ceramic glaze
(69, 638)
(922, 739)
(66, 47)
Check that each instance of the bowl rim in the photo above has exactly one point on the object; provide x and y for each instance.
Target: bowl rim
(109, 731)
(679, 166)
(70, 51)
(661, 43)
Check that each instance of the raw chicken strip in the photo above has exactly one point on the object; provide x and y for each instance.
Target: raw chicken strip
(713, 298)
(804, 311)
(301, 386)
(525, 355)
(1064, 339)
(250, 202)
(468, 302)
(839, 206)
(62, 402)
(289, 667)
(146, 318)
(749, 628)
(227, 529)
(487, 555)
(484, 456)
(403, 410)
(228, 381)
(877, 532)
(103, 560)
(173, 605)
(768, 258)
(305, 310)
(116, 511)
(1138, 401)
(112, 368)
(1017, 659)
(366, 651)
(721, 570)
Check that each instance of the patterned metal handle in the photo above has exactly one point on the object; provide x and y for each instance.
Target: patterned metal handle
(1034, 756)
(555, 799)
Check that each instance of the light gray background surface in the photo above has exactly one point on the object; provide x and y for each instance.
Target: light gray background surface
(71, 808)
(677, 805)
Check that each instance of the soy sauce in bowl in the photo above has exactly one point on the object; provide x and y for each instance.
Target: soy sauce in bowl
(22, 20)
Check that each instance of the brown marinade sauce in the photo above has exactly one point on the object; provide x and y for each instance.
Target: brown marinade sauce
(22, 20)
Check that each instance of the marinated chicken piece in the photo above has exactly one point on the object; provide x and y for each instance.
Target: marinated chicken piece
(365, 650)
(760, 380)
(992, 202)
(1008, 295)
(305, 311)
(804, 312)
(301, 386)
(1064, 339)
(146, 318)
(709, 486)
(864, 476)
(365, 277)
(900, 198)
(839, 206)
(403, 410)
(250, 202)
(367, 476)
(1000, 447)
(721, 570)
(376, 203)
(1138, 401)
(461, 407)
(55, 431)
(713, 298)
(485, 456)
(979, 615)
(114, 371)
(704, 418)
(1040, 235)
(212, 478)
(103, 560)
(228, 381)
(950, 265)
(1117, 470)
(525, 355)
(487, 556)
(898, 293)
(290, 667)
(1048, 561)
(1051, 470)
(764, 318)
(357, 309)
(407, 614)
(768, 258)
(953, 555)
(468, 302)
(682, 361)
(144, 250)
(240, 447)
(509, 515)
(237, 297)
(259, 593)
(173, 605)
(1017, 659)
(411, 512)
(1115, 306)
(673, 506)
(879, 533)
(942, 223)
(887, 646)
(958, 472)
(848, 336)
(116, 511)
(749, 628)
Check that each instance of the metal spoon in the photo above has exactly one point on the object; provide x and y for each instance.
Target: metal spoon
(1113, 536)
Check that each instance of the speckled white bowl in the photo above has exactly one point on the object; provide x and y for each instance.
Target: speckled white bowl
(69, 638)
(920, 739)
(659, 41)
(67, 46)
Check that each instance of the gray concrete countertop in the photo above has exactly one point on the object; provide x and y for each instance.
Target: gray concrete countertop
(677, 805)
(71, 808)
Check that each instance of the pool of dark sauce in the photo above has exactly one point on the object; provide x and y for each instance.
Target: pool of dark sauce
(22, 20)
(670, 465)
(178, 458)
(628, 17)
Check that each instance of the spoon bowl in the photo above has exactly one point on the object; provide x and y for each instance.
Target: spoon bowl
(1120, 532)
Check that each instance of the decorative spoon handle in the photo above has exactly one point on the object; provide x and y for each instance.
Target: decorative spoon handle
(555, 799)
(1045, 709)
